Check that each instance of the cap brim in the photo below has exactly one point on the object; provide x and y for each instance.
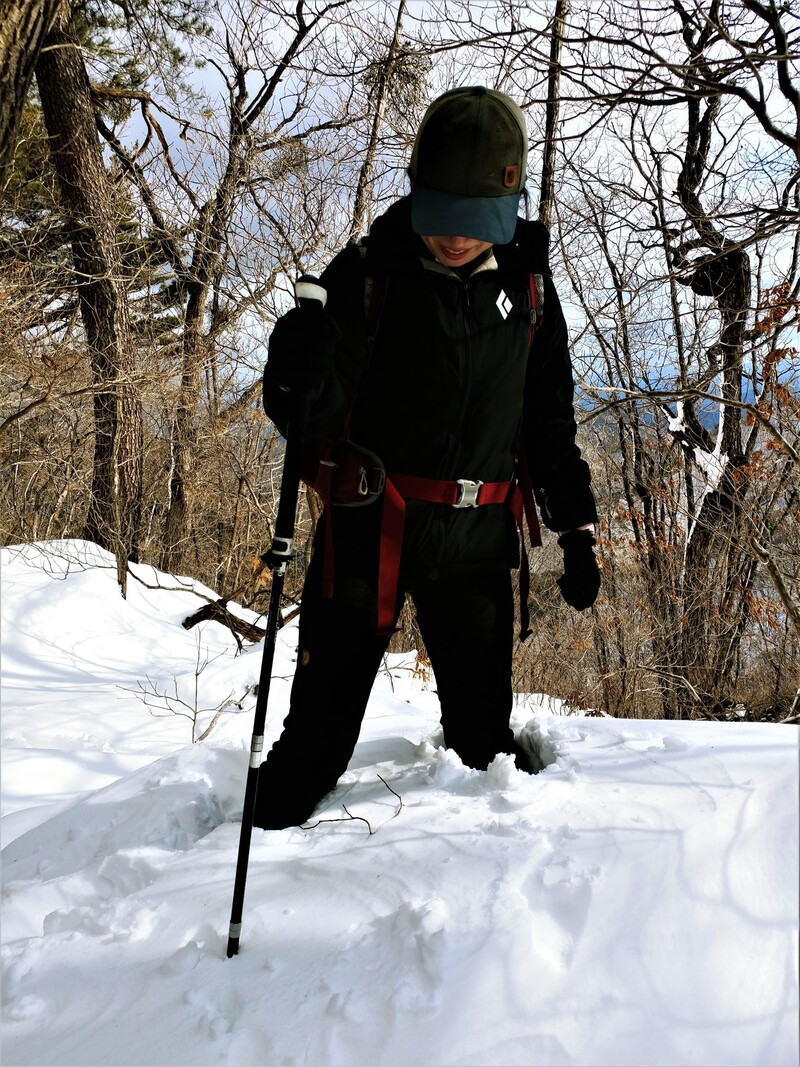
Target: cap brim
(483, 218)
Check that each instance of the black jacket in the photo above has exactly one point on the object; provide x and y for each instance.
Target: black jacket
(448, 382)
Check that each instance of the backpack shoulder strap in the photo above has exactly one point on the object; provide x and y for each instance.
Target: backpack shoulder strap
(375, 285)
(536, 300)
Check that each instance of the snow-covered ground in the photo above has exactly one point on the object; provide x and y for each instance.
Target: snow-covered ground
(634, 903)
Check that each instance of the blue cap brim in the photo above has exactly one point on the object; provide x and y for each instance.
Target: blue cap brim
(483, 218)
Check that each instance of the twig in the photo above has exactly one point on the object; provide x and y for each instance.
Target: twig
(350, 818)
(394, 794)
(360, 818)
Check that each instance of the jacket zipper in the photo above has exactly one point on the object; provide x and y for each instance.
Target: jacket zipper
(467, 373)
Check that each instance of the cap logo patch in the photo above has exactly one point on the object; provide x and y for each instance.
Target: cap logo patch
(511, 176)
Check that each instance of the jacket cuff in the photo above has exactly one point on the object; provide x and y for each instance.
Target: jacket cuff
(590, 526)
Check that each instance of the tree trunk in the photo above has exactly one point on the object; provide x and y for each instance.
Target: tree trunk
(23, 26)
(115, 505)
(717, 575)
(183, 445)
(359, 223)
(547, 189)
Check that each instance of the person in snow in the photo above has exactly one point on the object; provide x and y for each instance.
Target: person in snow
(425, 358)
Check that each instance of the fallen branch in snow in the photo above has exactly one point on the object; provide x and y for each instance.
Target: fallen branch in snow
(358, 818)
(350, 818)
(394, 794)
(217, 611)
(182, 587)
(213, 610)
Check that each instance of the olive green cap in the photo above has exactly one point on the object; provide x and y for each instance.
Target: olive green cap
(468, 166)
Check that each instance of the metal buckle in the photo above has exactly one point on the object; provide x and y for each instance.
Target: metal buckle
(365, 486)
(467, 493)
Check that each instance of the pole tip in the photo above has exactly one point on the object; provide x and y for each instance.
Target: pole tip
(234, 931)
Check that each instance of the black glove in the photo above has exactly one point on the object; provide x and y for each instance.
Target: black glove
(533, 242)
(302, 351)
(580, 582)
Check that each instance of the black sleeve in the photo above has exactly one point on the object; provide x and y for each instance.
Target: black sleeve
(344, 283)
(561, 477)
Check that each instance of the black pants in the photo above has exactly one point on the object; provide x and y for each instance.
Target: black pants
(466, 617)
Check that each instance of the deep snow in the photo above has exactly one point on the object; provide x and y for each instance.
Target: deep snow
(634, 903)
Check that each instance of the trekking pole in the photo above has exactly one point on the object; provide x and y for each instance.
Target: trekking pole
(308, 293)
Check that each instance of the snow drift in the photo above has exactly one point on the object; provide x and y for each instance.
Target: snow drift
(633, 903)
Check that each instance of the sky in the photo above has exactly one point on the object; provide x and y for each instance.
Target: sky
(635, 902)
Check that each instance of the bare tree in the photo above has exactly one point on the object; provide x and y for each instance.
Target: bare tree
(199, 252)
(88, 202)
(684, 225)
(386, 71)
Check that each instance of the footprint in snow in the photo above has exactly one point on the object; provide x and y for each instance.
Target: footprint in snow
(559, 896)
(216, 1013)
(407, 948)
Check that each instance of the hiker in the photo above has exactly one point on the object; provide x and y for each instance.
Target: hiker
(426, 357)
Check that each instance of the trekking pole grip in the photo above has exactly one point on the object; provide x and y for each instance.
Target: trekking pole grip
(308, 293)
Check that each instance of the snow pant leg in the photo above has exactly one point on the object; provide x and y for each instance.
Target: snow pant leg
(467, 622)
(338, 657)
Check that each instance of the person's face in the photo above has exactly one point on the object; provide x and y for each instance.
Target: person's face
(455, 251)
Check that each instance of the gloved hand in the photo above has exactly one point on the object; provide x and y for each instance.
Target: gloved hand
(532, 239)
(302, 350)
(580, 582)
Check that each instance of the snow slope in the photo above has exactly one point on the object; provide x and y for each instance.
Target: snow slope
(634, 903)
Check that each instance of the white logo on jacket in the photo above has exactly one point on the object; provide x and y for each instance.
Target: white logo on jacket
(504, 305)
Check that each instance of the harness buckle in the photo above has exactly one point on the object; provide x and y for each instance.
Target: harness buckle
(467, 493)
